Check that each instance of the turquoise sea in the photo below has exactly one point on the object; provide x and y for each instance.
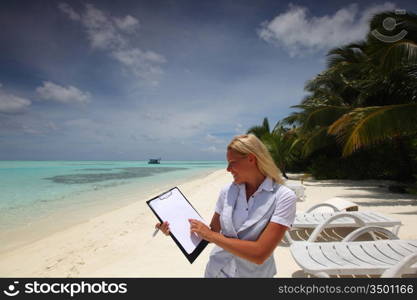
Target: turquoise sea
(55, 194)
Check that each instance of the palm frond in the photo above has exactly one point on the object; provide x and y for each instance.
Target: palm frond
(317, 140)
(259, 131)
(265, 124)
(399, 54)
(324, 116)
(369, 125)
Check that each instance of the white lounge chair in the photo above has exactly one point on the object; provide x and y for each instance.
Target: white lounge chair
(315, 221)
(392, 257)
(403, 267)
(338, 204)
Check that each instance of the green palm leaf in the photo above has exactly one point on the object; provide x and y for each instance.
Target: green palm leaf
(316, 140)
(260, 131)
(369, 125)
(324, 116)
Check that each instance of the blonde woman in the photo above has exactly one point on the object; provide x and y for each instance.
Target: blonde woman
(251, 215)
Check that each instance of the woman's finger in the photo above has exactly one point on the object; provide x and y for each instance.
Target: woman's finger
(166, 225)
(165, 228)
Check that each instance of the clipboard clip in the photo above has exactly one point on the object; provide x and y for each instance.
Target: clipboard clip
(165, 196)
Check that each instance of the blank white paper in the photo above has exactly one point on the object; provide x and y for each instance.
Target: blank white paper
(175, 209)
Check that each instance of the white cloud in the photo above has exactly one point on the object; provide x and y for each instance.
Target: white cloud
(214, 139)
(239, 129)
(127, 23)
(31, 131)
(51, 125)
(55, 92)
(80, 123)
(148, 138)
(11, 104)
(114, 36)
(219, 149)
(142, 64)
(64, 7)
(101, 29)
(212, 149)
(99, 131)
(299, 33)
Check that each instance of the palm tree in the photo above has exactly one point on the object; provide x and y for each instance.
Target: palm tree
(359, 99)
(278, 142)
(397, 54)
(390, 92)
(367, 95)
(331, 96)
(259, 131)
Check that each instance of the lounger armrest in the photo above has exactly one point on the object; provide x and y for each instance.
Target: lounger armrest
(397, 270)
(322, 205)
(371, 229)
(316, 233)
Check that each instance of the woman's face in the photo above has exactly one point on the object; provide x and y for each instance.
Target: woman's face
(241, 166)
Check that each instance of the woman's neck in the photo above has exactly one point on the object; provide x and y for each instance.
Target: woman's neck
(253, 184)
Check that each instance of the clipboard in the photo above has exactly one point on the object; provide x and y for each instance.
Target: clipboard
(173, 206)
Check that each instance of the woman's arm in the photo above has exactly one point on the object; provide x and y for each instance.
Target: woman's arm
(255, 251)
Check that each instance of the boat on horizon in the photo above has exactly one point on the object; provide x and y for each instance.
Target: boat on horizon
(154, 161)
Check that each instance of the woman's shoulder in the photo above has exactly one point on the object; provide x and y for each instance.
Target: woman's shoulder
(222, 196)
(227, 187)
(283, 190)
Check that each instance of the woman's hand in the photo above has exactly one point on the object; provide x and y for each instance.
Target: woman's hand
(164, 227)
(201, 229)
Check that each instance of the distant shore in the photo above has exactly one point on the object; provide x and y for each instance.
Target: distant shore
(119, 243)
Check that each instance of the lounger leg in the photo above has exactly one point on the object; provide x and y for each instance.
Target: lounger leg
(288, 237)
(395, 229)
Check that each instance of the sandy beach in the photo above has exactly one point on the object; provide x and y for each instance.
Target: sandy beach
(120, 243)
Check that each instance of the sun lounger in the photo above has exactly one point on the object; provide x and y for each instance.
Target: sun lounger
(334, 204)
(405, 266)
(392, 257)
(316, 222)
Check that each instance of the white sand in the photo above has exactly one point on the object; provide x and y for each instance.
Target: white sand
(120, 243)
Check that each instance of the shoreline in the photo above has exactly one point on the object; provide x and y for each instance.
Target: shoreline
(119, 243)
(92, 204)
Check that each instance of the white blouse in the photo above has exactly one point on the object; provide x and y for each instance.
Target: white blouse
(284, 213)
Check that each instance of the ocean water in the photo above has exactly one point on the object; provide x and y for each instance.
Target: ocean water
(32, 192)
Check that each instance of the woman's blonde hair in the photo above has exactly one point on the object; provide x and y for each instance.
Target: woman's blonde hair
(248, 143)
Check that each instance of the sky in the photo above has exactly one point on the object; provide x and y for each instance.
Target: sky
(133, 80)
